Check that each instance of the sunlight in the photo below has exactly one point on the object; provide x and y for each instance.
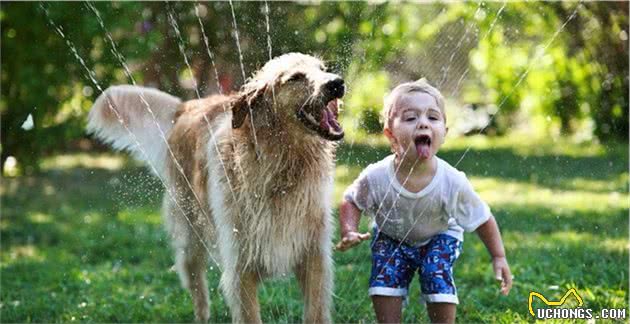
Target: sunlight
(84, 160)
(566, 239)
(141, 215)
(517, 193)
(40, 218)
(27, 252)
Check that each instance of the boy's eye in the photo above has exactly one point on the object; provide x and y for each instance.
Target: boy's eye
(433, 118)
(410, 118)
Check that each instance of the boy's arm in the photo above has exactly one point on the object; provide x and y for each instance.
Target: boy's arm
(491, 237)
(349, 216)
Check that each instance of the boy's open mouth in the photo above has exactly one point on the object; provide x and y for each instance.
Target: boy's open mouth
(423, 146)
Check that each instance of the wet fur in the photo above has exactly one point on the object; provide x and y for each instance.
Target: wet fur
(264, 204)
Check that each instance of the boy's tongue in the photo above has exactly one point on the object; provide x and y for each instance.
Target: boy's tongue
(423, 149)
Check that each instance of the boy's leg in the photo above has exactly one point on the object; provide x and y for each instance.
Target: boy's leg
(436, 260)
(390, 278)
(388, 309)
(441, 312)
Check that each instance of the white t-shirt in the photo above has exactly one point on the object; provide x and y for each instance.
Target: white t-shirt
(448, 204)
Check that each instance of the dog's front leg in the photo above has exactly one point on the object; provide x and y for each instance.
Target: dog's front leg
(315, 277)
(241, 293)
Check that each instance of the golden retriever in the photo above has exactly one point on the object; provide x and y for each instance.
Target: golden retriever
(248, 178)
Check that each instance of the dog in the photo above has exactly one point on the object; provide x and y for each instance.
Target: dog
(248, 178)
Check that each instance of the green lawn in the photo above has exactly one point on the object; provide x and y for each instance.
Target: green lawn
(84, 241)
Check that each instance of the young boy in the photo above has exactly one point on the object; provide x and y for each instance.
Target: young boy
(421, 205)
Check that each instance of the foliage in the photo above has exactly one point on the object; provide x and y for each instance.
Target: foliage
(83, 241)
(366, 102)
(538, 64)
(570, 73)
(40, 76)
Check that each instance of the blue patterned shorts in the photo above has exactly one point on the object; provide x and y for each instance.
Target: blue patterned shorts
(394, 264)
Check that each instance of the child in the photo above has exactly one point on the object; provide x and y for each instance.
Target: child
(421, 205)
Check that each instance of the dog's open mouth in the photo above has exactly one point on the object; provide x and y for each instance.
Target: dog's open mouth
(326, 125)
(423, 146)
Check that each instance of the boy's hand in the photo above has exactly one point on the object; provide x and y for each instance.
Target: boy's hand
(351, 239)
(502, 273)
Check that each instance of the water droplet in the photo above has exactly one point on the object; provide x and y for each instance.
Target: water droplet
(28, 123)
(87, 91)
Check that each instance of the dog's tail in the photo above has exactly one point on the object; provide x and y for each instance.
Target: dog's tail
(135, 119)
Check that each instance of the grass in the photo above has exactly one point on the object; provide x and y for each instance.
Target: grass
(84, 241)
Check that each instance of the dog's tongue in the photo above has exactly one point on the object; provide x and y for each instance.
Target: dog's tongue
(423, 149)
(329, 117)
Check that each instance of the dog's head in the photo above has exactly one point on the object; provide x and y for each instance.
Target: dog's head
(295, 88)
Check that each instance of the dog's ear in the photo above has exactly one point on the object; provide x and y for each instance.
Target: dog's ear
(240, 109)
(245, 101)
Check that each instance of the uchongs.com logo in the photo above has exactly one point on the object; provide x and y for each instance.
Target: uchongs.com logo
(578, 312)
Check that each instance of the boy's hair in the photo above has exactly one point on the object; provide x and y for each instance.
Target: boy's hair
(408, 87)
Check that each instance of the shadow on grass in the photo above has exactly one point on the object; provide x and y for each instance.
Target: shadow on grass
(535, 219)
(79, 210)
(110, 291)
(587, 251)
(96, 238)
(86, 237)
(561, 261)
(88, 245)
(541, 262)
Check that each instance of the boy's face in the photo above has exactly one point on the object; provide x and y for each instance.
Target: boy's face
(417, 126)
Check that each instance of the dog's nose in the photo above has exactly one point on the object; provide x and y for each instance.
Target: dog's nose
(336, 87)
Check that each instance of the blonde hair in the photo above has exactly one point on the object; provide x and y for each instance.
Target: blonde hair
(421, 85)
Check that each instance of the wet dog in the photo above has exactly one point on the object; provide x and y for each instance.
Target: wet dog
(248, 178)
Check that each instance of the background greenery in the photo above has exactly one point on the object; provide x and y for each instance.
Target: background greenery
(81, 235)
(549, 68)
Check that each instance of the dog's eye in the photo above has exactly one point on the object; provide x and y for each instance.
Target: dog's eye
(331, 69)
(296, 76)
